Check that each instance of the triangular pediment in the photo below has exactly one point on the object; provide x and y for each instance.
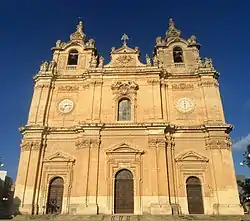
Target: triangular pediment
(191, 156)
(125, 50)
(59, 156)
(124, 57)
(123, 147)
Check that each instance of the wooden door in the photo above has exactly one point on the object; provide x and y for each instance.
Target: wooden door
(194, 196)
(124, 192)
(55, 196)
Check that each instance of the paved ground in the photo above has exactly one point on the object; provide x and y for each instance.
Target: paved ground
(131, 218)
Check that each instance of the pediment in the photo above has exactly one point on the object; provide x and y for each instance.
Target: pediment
(123, 147)
(59, 157)
(191, 156)
(124, 57)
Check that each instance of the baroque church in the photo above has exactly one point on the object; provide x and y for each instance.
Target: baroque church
(128, 136)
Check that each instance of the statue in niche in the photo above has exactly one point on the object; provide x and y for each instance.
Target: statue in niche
(148, 60)
(101, 62)
(44, 66)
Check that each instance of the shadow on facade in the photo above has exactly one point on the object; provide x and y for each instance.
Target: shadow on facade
(6, 198)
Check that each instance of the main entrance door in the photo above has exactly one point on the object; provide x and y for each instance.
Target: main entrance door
(55, 196)
(124, 192)
(194, 196)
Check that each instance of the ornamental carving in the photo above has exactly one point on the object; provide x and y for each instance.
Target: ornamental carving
(208, 84)
(68, 88)
(124, 87)
(124, 59)
(30, 145)
(219, 144)
(157, 142)
(153, 81)
(87, 143)
(182, 86)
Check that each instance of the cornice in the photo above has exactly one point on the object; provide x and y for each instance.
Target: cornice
(126, 126)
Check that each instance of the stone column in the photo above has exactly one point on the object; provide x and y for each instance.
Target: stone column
(164, 100)
(159, 169)
(26, 184)
(97, 101)
(225, 190)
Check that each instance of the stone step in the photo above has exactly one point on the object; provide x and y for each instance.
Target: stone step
(126, 217)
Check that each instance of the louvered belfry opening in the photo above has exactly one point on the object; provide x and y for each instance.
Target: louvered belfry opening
(124, 192)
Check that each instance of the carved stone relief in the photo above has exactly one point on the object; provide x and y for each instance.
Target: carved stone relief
(157, 142)
(30, 145)
(87, 143)
(124, 88)
(182, 86)
(68, 88)
(124, 59)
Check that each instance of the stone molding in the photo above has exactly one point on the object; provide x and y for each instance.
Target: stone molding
(219, 144)
(183, 86)
(153, 81)
(87, 143)
(191, 156)
(68, 88)
(208, 84)
(125, 87)
(157, 142)
(59, 157)
(30, 145)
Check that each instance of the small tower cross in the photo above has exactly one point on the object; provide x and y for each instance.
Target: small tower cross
(124, 39)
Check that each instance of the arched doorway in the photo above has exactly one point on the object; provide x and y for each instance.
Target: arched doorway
(194, 196)
(124, 192)
(55, 196)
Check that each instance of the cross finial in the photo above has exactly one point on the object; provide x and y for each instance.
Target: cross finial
(124, 39)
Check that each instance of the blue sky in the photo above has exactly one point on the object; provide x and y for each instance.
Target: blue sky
(30, 28)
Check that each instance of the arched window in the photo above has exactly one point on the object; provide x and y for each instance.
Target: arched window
(194, 195)
(73, 57)
(178, 55)
(55, 196)
(124, 110)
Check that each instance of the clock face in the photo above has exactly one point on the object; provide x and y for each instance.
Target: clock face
(66, 105)
(185, 105)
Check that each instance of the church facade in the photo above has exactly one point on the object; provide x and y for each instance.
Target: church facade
(127, 137)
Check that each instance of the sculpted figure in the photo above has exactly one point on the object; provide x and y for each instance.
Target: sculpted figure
(93, 62)
(208, 63)
(101, 62)
(58, 43)
(158, 40)
(91, 43)
(192, 40)
(148, 60)
(155, 61)
(44, 66)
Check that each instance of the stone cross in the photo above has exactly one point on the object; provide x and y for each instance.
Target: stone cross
(124, 39)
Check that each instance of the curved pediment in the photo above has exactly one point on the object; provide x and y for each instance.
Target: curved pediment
(123, 147)
(59, 157)
(191, 156)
